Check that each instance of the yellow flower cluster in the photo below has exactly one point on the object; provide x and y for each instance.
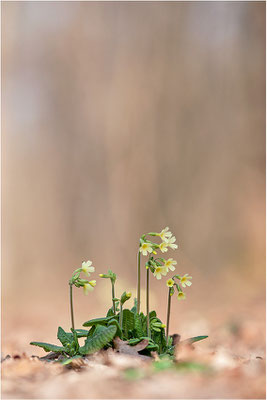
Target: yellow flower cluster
(184, 281)
(159, 266)
(87, 269)
(168, 241)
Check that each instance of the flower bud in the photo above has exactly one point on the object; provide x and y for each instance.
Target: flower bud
(125, 296)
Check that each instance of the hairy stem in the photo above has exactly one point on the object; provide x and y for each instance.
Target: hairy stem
(168, 315)
(147, 302)
(138, 281)
(71, 307)
(113, 297)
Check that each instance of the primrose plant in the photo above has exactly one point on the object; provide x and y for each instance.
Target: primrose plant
(129, 325)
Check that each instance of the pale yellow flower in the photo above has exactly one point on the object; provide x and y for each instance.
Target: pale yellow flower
(163, 247)
(169, 264)
(170, 243)
(165, 234)
(87, 268)
(185, 280)
(87, 287)
(146, 248)
(181, 296)
(160, 271)
(170, 282)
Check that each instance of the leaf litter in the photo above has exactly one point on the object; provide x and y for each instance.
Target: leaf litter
(198, 371)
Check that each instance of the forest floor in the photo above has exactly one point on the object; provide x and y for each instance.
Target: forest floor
(229, 365)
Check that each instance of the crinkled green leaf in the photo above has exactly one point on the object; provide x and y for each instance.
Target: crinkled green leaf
(128, 320)
(101, 337)
(138, 328)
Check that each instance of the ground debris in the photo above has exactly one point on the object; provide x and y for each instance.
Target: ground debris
(224, 366)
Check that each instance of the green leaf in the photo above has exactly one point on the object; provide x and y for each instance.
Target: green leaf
(75, 345)
(115, 322)
(49, 347)
(101, 337)
(134, 341)
(194, 339)
(81, 333)
(152, 347)
(92, 330)
(98, 321)
(110, 313)
(152, 314)
(160, 339)
(127, 321)
(67, 361)
(138, 328)
(64, 337)
(134, 308)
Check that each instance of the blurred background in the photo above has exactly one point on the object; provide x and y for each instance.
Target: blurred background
(123, 118)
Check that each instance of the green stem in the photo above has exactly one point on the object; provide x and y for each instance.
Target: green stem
(138, 281)
(168, 315)
(121, 316)
(113, 297)
(147, 303)
(71, 307)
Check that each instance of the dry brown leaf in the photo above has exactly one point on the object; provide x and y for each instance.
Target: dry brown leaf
(124, 348)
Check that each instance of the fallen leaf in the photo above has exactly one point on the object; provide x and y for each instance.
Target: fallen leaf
(124, 348)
